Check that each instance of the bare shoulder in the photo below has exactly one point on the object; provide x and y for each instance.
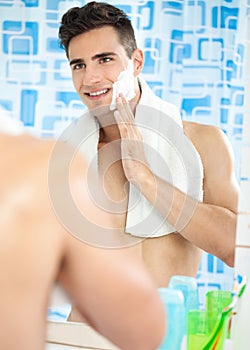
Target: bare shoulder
(25, 161)
(22, 143)
(208, 139)
(218, 161)
(198, 132)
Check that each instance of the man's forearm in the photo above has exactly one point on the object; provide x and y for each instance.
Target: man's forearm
(208, 226)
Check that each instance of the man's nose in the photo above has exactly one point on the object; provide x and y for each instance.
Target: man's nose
(91, 76)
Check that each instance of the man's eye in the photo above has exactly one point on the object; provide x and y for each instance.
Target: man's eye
(78, 66)
(105, 59)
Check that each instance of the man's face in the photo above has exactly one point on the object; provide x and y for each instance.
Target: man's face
(96, 59)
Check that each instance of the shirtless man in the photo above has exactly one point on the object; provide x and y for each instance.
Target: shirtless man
(99, 43)
(36, 251)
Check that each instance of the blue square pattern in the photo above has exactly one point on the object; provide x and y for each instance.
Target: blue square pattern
(126, 8)
(172, 7)
(26, 72)
(52, 14)
(152, 49)
(28, 106)
(52, 4)
(177, 44)
(60, 72)
(225, 101)
(214, 264)
(22, 39)
(241, 51)
(188, 104)
(49, 122)
(233, 70)
(216, 47)
(7, 105)
(197, 19)
(224, 115)
(67, 97)
(52, 45)
(224, 17)
(31, 3)
(237, 95)
(146, 11)
(238, 119)
(52, 19)
(157, 87)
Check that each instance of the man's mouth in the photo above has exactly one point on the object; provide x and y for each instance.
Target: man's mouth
(97, 93)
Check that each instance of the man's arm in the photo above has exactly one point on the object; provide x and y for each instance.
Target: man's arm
(211, 224)
(110, 287)
(221, 190)
(114, 293)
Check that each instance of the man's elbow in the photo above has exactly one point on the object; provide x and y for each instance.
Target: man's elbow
(153, 327)
(228, 256)
(230, 259)
(149, 338)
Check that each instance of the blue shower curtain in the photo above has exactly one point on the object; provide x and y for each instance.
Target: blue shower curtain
(194, 57)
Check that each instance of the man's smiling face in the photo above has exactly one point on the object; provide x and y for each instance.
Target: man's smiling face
(96, 59)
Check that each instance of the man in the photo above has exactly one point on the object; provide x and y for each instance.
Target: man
(100, 45)
(36, 251)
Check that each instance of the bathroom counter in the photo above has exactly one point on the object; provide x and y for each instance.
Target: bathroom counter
(228, 346)
(50, 346)
(75, 336)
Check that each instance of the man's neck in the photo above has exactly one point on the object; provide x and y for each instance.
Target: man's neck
(109, 133)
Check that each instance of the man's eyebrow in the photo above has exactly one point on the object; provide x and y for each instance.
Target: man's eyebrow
(76, 61)
(93, 58)
(103, 54)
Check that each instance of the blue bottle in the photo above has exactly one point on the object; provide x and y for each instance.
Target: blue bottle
(189, 288)
(173, 301)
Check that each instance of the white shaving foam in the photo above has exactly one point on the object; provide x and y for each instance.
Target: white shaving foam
(125, 84)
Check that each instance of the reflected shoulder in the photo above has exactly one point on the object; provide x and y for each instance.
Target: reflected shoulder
(205, 137)
(195, 130)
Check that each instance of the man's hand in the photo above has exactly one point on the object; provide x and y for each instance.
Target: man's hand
(132, 149)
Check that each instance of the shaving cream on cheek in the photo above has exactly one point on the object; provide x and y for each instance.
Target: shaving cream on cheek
(125, 84)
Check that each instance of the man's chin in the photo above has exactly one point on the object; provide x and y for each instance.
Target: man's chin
(103, 114)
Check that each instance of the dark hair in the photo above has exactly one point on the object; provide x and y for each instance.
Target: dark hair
(95, 15)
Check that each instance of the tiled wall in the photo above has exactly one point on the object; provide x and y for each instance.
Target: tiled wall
(194, 54)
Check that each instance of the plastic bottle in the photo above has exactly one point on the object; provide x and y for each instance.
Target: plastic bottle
(175, 311)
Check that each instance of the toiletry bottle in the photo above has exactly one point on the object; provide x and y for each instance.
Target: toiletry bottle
(175, 311)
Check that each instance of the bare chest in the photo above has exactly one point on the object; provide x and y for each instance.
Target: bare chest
(113, 181)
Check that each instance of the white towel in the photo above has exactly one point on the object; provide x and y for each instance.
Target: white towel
(169, 153)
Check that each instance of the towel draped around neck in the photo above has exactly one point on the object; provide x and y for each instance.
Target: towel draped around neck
(169, 153)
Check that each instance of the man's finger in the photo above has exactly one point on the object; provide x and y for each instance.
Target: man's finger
(122, 126)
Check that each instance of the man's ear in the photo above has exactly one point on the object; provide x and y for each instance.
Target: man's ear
(138, 59)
